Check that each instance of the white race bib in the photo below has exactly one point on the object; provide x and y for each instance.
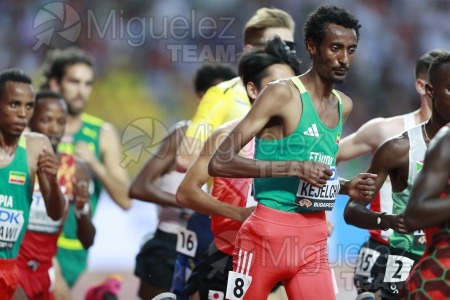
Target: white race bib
(237, 285)
(397, 268)
(187, 242)
(366, 259)
(311, 198)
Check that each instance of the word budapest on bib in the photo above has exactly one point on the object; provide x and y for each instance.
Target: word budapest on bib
(310, 198)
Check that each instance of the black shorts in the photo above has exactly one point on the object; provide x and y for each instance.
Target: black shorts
(211, 274)
(369, 270)
(156, 260)
(391, 290)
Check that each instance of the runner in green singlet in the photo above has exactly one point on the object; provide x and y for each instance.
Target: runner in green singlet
(70, 73)
(297, 124)
(22, 157)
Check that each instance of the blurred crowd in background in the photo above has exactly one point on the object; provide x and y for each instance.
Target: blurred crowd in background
(145, 50)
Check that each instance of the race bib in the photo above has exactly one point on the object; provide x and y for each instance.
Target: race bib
(397, 268)
(237, 285)
(419, 237)
(39, 221)
(186, 242)
(366, 259)
(311, 198)
(11, 223)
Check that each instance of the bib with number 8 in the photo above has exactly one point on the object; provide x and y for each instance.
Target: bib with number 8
(237, 285)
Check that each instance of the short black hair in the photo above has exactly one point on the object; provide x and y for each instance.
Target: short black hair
(57, 60)
(254, 62)
(423, 62)
(15, 75)
(48, 94)
(207, 74)
(315, 24)
(436, 63)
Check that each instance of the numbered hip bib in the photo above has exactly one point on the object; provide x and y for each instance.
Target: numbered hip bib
(239, 282)
(186, 242)
(237, 285)
(397, 268)
(366, 259)
(310, 198)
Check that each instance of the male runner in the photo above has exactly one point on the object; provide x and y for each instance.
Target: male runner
(297, 135)
(228, 101)
(157, 183)
(400, 158)
(39, 244)
(23, 156)
(70, 73)
(366, 140)
(428, 206)
(229, 196)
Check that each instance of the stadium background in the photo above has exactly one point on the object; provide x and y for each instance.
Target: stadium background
(144, 69)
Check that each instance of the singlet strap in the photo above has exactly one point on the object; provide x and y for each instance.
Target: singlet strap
(298, 84)
(302, 88)
(22, 141)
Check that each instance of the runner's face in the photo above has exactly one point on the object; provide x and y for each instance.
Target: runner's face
(441, 91)
(76, 86)
(332, 58)
(50, 117)
(16, 108)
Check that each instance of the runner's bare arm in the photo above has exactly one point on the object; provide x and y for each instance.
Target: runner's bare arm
(426, 207)
(190, 193)
(85, 227)
(47, 166)
(386, 159)
(364, 141)
(111, 174)
(226, 161)
(143, 187)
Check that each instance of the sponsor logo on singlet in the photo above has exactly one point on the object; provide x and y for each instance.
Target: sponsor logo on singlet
(11, 222)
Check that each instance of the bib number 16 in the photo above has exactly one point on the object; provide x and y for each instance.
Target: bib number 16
(187, 242)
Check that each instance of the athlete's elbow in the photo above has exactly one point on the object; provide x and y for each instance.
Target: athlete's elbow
(348, 213)
(133, 192)
(182, 195)
(124, 203)
(88, 242)
(216, 167)
(56, 215)
(181, 164)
